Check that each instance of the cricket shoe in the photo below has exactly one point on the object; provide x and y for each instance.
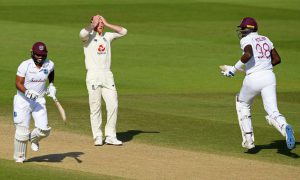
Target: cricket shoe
(20, 160)
(98, 141)
(248, 143)
(290, 139)
(113, 141)
(35, 146)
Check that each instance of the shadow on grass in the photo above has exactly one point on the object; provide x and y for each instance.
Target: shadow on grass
(56, 157)
(280, 145)
(128, 136)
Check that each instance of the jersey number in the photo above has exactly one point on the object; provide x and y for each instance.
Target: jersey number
(263, 50)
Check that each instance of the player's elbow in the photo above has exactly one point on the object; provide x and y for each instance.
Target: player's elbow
(276, 60)
(246, 57)
(123, 31)
(84, 35)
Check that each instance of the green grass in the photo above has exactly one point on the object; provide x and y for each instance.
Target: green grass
(11, 170)
(166, 69)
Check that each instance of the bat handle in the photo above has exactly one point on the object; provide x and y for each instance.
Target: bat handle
(54, 99)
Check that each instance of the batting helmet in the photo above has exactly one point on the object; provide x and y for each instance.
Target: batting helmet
(39, 49)
(247, 25)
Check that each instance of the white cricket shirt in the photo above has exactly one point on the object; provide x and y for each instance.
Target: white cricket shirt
(35, 78)
(97, 49)
(261, 47)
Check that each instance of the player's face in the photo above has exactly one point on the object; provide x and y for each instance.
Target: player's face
(40, 58)
(242, 32)
(100, 27)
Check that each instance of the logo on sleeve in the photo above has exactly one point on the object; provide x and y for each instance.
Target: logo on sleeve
(15, 114)
(46, 71)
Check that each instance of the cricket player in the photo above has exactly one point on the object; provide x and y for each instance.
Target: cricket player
(31, 80)
(259, 57)
(99, 79)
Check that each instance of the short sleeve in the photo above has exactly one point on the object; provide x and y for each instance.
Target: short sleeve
(244, 42)
(84, 35)
(270, 43)
(51, 66)
(22, 69)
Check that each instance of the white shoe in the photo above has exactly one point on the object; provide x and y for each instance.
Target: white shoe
(248, 143)
(98, 141)
(20, 160)
(113, 141)
(35, 146)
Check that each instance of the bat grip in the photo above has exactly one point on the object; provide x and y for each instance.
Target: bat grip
(54, 99)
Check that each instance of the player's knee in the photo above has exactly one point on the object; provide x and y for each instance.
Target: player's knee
(113, 106)
(22, 133)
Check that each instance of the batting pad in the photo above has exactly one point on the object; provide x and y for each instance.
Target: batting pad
(20, 143)
(37, 134)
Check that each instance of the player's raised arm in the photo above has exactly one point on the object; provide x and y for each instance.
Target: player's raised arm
(116, 28)
(84, 33)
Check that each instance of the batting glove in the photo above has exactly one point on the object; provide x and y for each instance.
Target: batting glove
(229, 72)
(31, 94)
(51, 90)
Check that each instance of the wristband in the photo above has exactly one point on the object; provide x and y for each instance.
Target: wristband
(238, 65)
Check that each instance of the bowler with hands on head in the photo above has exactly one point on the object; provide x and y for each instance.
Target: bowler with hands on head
(99, 78)
(31, 81)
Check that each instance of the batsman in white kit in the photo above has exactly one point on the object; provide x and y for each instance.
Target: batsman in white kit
(31, 78)
(99, 79)
(259, 57)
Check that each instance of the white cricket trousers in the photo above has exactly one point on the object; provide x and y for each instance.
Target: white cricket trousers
(24, 108)
(264, 83)
(102, 89)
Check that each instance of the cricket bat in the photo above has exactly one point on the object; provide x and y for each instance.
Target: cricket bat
(60, 109)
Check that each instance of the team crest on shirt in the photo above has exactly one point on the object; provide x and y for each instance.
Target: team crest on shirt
(101, 49)
(46, 71)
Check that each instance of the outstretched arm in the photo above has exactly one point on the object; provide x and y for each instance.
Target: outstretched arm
(229, 71)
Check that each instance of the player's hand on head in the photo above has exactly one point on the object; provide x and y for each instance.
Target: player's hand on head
(31, 94)
(228, 71)
(103, 20)
(51, 90)
(95, 21)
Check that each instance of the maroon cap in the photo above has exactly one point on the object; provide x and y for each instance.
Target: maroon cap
(248, 22)
(39, 48)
